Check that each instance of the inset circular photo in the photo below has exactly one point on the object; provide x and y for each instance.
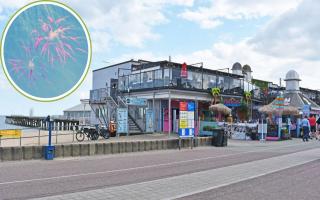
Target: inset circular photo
(45, 50)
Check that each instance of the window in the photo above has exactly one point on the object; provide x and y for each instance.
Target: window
(158, 80)
(135, 81)
(166, 77)
(147, 79)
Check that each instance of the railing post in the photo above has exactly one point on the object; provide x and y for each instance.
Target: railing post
(72, 136)
(20, 140)
(39, 132)
(56, 136)
(0, 141)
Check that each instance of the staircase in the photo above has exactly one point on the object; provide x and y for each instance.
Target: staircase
(102, 99)
(133, 127)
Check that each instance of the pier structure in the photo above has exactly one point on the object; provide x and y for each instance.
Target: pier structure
(59, 124)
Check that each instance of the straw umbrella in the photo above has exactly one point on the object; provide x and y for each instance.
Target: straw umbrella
(271, 109)
(220, 108)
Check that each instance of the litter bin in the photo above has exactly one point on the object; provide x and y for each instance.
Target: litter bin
(49, 152)
(219, 138)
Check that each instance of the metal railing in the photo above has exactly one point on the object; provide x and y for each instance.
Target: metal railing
(36, 135)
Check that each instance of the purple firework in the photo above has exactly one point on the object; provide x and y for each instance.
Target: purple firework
(28, 67)
(53, 40)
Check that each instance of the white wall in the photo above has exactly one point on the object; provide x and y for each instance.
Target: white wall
(103, 76)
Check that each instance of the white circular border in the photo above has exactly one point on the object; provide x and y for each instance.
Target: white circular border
(85, 72)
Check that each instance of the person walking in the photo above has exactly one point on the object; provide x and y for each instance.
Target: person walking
(313, 123)
(305, 124)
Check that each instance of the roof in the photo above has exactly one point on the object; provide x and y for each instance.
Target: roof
(292, 75)
(298, 100)
(236, 66)
(128, 61)
(247, 68)
(78, 108)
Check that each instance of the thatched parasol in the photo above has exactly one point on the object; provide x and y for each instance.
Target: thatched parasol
(220, 108)
(267, 109)
(287, 110)
(290, 110)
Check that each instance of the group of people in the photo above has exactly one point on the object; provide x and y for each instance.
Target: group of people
(309, 128)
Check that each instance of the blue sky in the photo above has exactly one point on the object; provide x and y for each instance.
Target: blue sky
(272, 36)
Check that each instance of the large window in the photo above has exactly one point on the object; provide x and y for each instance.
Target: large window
(235, 86)
(147, 79)
(209, 81)
(135, 81)
(226, 85)
(123, 83)
(166, 76)
(158, 78)
(195, 80)
(176, 77)
(220, 83)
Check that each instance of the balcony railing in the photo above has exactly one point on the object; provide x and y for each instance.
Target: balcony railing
(98, 95)
(170, 78)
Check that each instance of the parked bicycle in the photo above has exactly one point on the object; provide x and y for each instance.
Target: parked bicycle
(92, 133)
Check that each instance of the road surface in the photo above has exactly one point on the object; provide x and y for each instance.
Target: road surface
(243, 170)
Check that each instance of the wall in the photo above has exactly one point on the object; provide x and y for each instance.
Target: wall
(90, 149)
(103, 76)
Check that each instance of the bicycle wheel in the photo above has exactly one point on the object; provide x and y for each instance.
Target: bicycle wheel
(80, 136)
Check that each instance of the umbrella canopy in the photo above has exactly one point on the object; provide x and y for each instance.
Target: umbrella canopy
(287, 110)
(290, 110)
(220, 108)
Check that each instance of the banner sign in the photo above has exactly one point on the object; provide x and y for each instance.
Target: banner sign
(184, 71)
(186, 122)
(232, 102)
(279, 103)
(122, 120)
(10, 133)
(149, 121)
(306, 110)
(136, 101)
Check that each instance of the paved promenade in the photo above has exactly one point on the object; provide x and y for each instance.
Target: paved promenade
(189, 184)
(191, 174)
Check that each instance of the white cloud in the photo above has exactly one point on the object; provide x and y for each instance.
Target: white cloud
(210, 17)
(4, 83)
(129, 23)
(293, 34)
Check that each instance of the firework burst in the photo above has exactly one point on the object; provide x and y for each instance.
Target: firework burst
(29, 65)
(54, 40)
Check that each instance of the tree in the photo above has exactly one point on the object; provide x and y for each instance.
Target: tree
(215, 92)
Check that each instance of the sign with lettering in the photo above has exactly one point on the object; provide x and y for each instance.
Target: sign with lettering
(306, 110)
(186, 121)
(122, 120)
(232, 102)
(136, 101)
(149, 120)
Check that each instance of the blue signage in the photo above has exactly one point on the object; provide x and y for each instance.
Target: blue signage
(191, 106)
(149, 121)
(136, 101)
(122, 120)
(306, 110)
